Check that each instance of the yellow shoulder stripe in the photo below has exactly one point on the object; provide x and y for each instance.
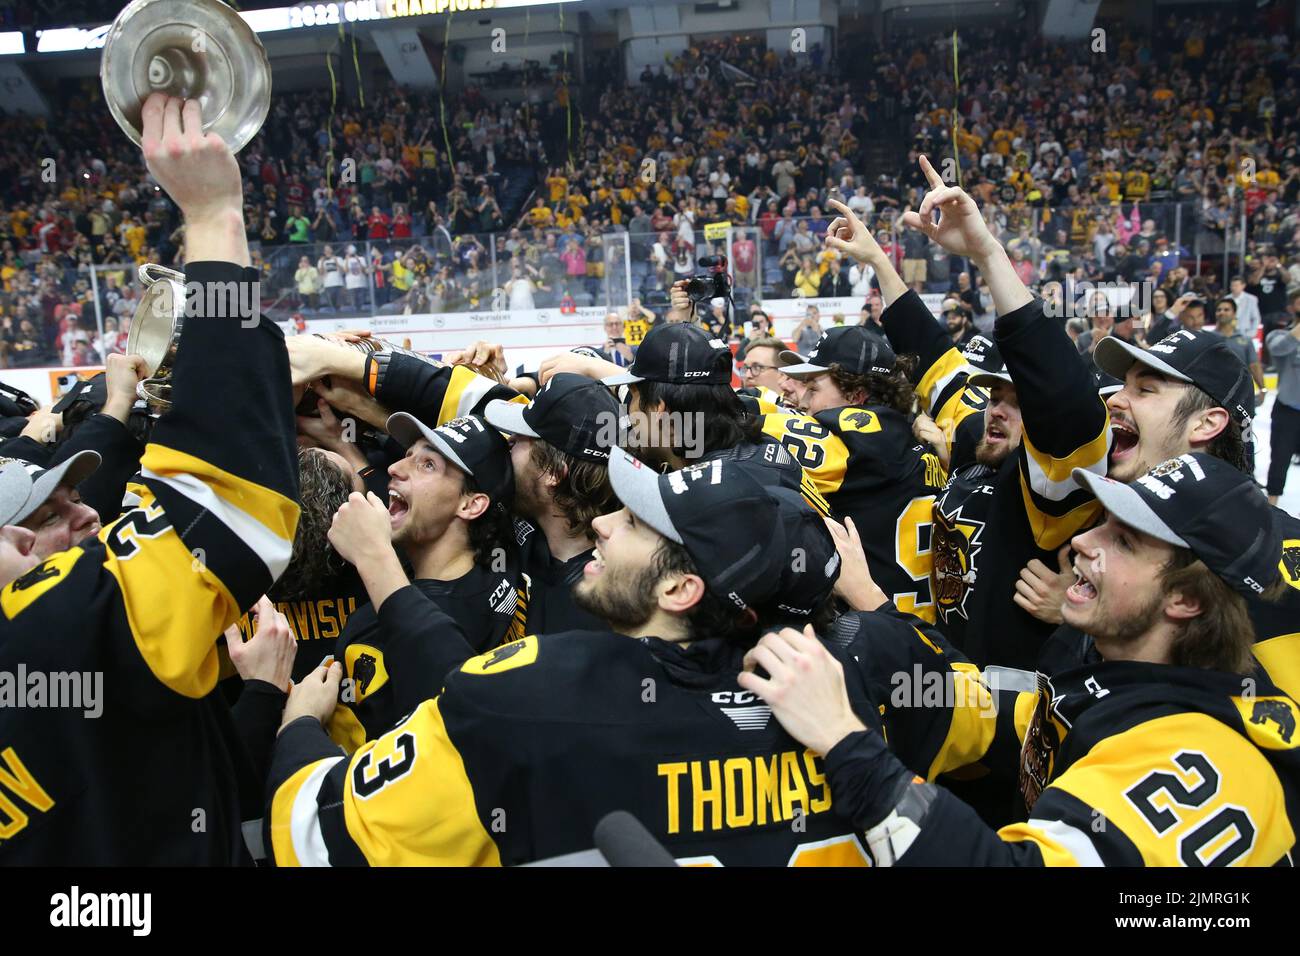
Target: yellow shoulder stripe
(1280, 657)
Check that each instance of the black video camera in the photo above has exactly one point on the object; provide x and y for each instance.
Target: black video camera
(714, 283)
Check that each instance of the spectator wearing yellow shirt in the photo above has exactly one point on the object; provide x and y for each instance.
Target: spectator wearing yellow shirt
(742, 204)
(1112, 182)
(134, 237)
(1002, 139)
(540, 214)
(403, 276)
(557, 184)
(577, 203)
(1137, 184)
(807, 280)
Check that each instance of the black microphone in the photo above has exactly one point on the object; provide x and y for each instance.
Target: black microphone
(623, 841)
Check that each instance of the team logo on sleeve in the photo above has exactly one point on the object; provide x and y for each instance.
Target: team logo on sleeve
(1270, 722)
(1047, 728)
(1290, 563)
(365, 672)
(504, 658)
(858, 420)
(954, 546)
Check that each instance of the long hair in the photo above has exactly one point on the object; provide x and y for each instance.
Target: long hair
(1220, 637)
(893, 390)
(582, 490)
(314, 565)
(491, 534)
(726, 422)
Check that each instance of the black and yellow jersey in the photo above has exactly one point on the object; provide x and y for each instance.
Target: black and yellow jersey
(145, 772)
(761, 400)
(867, 465)
(942, 373)
(434, 394)
(316, 622)
(1277, 624)
(551, 608)
(390, 661)
(773, 466)
(985, 538)
(961, 514)
(1121, 763)
(529, 746)
(914, 676)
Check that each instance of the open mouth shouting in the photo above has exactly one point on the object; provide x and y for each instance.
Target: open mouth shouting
(1125, 439)
(596, 565)
(1082, 590)
(994, 433)
(398, 508)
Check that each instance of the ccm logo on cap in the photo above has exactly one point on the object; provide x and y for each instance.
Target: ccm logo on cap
(696, 374)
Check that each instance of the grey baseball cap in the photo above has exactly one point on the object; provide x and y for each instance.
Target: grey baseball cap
(25, 486)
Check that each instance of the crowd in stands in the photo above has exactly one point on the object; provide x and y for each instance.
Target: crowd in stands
(1133, 163)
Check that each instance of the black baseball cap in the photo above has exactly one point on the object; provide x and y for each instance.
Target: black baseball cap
(1203, 504)
(814, 566)
(25, 486)
(854, 348)
(982, 354)
(470, 444)
(1198, 357)
(577, 415)
(728, 523)
(680, 354)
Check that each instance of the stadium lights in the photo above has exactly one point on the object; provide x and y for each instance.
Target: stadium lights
(276, 19)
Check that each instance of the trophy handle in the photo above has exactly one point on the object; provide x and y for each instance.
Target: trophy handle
(147, 275)
(156, 393)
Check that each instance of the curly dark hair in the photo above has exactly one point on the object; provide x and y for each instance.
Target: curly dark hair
(492, 534)
(893, 390)
(315, 565)
(582, 491)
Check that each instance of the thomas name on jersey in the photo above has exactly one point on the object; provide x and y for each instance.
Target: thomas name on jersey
(728, 793)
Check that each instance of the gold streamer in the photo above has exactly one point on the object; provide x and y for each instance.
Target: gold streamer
(329, 128)
(442, 93)
(568, 93)
(956, 98)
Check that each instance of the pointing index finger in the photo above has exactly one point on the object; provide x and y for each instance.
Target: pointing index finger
(842, 209)
(931, 176)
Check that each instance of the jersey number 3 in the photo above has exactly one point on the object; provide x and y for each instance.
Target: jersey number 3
(387, 769)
